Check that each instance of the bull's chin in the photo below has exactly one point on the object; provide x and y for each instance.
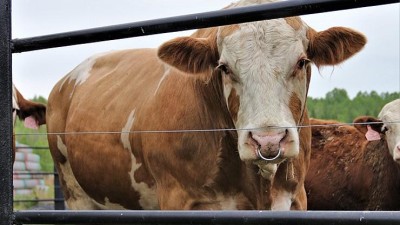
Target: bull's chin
(248, 152)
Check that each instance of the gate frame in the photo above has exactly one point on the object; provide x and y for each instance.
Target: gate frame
(170, 24)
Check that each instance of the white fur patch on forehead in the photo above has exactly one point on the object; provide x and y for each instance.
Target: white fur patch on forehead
(390, 112)
(250, 45)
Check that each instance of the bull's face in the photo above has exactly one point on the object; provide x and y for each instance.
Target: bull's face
(390, 116)
(266, 72)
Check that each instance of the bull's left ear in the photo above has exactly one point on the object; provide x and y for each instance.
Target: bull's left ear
(191, 55)
(335, 45)
(361, 124)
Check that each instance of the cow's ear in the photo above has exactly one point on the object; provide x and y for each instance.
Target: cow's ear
(31, 112)
(335, 45)
(362, 122)
(191, 55)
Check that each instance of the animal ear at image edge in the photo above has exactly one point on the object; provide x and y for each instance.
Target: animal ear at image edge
(372, 131)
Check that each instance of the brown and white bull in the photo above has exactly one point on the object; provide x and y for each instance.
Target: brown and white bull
(33, 114)
(251, 77)
(356, 167)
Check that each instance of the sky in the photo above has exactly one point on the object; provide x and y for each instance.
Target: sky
(375, 68)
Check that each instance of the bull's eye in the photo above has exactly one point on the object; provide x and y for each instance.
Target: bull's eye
(224, 68)
(302, 63)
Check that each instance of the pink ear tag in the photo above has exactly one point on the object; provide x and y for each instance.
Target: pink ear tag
(372, 135)
(30, 122)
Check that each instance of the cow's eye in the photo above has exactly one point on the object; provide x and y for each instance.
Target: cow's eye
(302, 63)
(224, 68)
(384, 129)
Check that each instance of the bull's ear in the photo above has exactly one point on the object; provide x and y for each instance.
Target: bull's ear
(335, 45)
(361, 124)
(191, 55)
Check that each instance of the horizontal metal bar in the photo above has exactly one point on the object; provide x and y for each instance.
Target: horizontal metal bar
(40, 200)
(36, 148)
(33, 173)
(209, 217)
(191, 21)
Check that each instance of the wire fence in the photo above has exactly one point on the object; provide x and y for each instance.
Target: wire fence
(205, 130)
(163, 25)
(53, 199)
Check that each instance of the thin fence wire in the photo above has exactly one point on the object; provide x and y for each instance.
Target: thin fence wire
(204, 130)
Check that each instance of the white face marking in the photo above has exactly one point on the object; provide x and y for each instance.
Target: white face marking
(391, 113)
(148, 196)
(282, 201)
(263, 56)
(167, 69)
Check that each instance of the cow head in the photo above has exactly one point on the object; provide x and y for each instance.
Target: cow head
(386, 125)
(266, 71)
(33, 114)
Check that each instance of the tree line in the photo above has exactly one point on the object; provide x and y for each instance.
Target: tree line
(337, 105)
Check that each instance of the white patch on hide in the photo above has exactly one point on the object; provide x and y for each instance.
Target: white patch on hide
(82, 72)
(109, 205)
(79, 200)
(167, 70)
(14, 103)
(227, 203)
(282, 201)
(148, 198)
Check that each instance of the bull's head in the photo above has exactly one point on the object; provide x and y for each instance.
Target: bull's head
(266, 72)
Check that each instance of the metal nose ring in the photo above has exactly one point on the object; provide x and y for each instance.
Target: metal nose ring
(267, 159)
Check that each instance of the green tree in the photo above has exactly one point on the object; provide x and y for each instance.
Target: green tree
(337, 105)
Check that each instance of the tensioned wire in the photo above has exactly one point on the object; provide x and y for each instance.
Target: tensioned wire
(203, 130)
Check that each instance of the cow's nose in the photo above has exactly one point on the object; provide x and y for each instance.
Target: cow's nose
(267, 143)
(268, 140)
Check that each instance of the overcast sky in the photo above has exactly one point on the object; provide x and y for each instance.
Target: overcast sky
(35, 73)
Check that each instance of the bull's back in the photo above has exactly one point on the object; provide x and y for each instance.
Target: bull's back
(335, 167)
(89, 114)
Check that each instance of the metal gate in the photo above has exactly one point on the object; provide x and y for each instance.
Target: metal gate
(171, 24)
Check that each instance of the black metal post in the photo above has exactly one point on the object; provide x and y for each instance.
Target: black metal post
(192, 21)
(59, 203)
(6, 192)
